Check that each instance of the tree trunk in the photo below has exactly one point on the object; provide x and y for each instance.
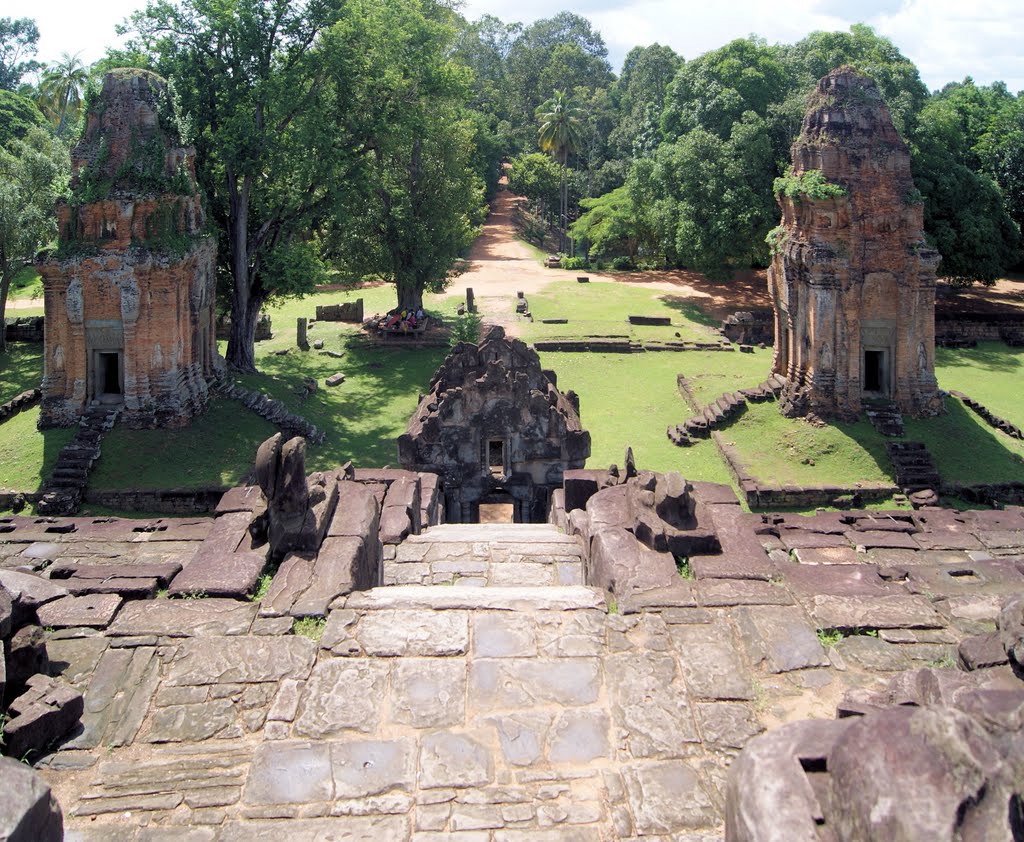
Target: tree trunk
(245, 307)
(565, 205)
(410, 297)
(5, 286)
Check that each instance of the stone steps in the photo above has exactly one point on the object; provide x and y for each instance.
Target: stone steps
(495, 533)
(723, 408)
(913, 464)
(66, 484)
(462, 598)
(886, 418)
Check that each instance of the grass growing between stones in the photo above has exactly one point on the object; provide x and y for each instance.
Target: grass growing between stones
(217, 448)
(310, 627)
(967, 451)
(603, 309)
(992, 373)
(21, 368)
(787, 451)
(628, 400)
(27, 455)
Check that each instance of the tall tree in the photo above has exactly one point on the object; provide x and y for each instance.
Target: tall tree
(414, 201)
(60, 91)
(18, 40)
(640, 91)
(270, 134)
(18, 114)
(33, 172)
(559, 135)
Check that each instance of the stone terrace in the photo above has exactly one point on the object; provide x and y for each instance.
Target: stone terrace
(497, 713)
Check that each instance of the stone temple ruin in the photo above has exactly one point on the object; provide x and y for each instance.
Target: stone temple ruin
(852, 279)
(496, 429)
(129, 294)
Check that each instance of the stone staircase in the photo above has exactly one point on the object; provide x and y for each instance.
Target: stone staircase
(65, 488)
(491, 555)
(885, 417)
(915, 469)
(722, 409)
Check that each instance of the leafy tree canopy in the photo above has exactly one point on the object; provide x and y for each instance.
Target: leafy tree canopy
(18, 43)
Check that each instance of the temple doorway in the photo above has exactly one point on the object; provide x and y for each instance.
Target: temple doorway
(875, 375)
(108, 376)
(498, 507)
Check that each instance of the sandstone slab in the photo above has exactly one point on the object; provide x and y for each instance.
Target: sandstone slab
(345, 694)
(780, 638)
(184, 618)
(241, 660)
(95, 611)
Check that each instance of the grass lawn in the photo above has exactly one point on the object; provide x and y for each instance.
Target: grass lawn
(21, 368)
(27, 285)
(27, 455)
(966, 449)
(992, 373)
(217, 448)
(628, 400)
(780, 450)
(603, 309)
(712, 373)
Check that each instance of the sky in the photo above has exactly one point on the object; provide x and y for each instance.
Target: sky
(946, 39)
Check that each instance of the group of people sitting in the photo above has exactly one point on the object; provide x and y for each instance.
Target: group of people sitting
(402, 321)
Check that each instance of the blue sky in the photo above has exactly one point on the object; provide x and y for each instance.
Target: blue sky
(946, 39)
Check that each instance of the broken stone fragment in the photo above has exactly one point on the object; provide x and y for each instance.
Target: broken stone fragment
(28, 810)
(45, 712)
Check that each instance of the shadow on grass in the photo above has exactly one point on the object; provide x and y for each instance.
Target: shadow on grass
(363, 417)
(966, 450)
(996, 357)
(21, 368)
(689, 310)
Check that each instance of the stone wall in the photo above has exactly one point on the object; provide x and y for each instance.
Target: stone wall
(129, 294)
(24, 329)
(349, 311)
(172, 501)
(750, 328)
(852, 278)
(263, 327)
(981, 327)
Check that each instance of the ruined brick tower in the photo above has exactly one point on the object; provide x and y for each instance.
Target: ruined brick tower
(129, 294)
(852, 278)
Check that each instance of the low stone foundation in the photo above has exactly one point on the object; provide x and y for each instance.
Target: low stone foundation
(24, 329)
(349, 311)
(171, 501)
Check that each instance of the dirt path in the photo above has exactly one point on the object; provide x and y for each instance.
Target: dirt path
(501, 265)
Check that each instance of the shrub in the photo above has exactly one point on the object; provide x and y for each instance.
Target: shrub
(622, 262)
(574, 263)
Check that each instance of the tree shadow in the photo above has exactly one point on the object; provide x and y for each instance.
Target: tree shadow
(992, 356)
(690, 310)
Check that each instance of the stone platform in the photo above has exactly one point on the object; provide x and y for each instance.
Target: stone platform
(488, 707)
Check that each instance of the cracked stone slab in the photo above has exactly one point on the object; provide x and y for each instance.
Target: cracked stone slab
(724, 593)
(362, 768)
(184, 618)
(94, 611)
(451, 759)
(353, 828)
(649, 703)
(513, 683)
(286, 772)
(428, 692)
(727, 724)
(667, 797)
(781, 638)
(710, 663)
(403, 632)
(880, 612)
(343, 694)
(459, 597)
(241, 660)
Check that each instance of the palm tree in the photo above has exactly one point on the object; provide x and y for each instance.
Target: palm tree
(559, 134)
(61, 91)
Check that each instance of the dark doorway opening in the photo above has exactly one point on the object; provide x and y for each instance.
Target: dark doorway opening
(874, 372)
(496, 457)
(108, 375)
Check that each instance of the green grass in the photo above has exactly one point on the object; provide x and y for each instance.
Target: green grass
(630, 400)
(217, 449)
(966, 449)
(21, 368)
(27, 285)
(991, 373)
(27, 455)
(709, 374)
(309, 627)
(780, 450)
(603, 309)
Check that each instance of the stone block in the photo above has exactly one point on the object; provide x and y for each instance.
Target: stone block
(48, 710)
(362, 768)
(667, 798)
(428, 692)
(184, 618)
(780, 638)
(453, 759)
(95, 611)
(28, 810)
(335, 379)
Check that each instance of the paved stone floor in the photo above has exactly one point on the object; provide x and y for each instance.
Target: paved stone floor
(488, 710)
